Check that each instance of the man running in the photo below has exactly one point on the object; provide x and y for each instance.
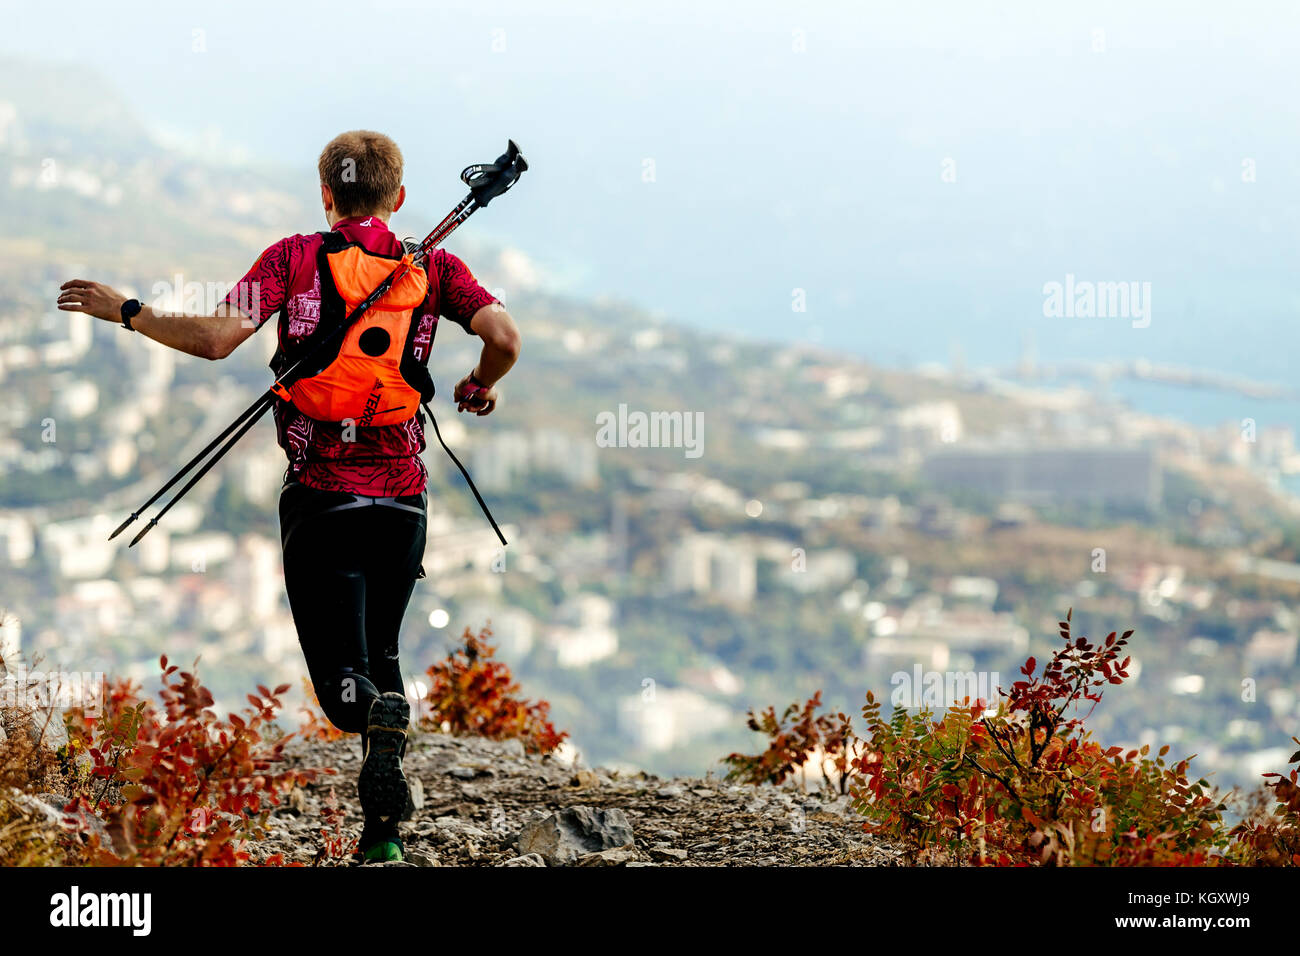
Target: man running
(353, 506)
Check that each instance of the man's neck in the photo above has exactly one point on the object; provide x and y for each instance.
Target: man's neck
(370, 219)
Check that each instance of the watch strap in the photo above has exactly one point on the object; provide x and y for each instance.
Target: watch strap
(130, 309)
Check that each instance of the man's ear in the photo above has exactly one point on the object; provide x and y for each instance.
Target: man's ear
(401, 198)
(326, 197)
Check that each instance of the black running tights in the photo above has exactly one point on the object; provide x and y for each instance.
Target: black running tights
(349, 574)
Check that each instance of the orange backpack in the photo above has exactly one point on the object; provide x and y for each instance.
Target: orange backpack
(370, 376)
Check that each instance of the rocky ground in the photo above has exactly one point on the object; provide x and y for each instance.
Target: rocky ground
(486, 803)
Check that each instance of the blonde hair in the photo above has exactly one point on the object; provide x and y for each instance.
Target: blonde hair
(364, 172)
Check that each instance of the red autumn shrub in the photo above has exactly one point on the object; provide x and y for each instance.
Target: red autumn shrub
(471, 692)
(335, 843)
(1271, 836)
(176, 784)
(1025, 784)
(827, 738)
(315, 725)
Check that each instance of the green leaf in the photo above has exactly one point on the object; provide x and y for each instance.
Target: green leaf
(132, 792)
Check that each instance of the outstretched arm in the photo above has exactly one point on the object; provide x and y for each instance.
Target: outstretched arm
(501, 344)
(208, 336)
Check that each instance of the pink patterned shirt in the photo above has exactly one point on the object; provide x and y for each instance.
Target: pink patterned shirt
(383, 460)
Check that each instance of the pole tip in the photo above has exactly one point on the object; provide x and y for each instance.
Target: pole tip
(123, 526)
(143, 531)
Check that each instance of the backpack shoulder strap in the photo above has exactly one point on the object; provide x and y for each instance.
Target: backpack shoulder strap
(332, 240)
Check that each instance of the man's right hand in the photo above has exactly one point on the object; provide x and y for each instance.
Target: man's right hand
(469, 397)
(493, 325)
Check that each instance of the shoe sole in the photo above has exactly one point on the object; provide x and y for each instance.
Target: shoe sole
(382, 785)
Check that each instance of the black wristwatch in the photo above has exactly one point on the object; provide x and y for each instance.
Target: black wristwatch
(130, 309)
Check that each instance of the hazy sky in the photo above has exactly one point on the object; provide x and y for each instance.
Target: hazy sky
(794, 146)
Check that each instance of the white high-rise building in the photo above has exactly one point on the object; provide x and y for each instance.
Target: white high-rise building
(17, 541)
(11, 640)
(711, 564)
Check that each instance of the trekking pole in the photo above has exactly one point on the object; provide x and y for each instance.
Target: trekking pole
(248, 423)
(257, 407)
(486, 181)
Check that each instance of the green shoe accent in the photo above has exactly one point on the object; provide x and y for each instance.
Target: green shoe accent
(385, 851)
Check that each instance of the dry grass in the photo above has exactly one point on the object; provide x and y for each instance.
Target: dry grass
(29, 767)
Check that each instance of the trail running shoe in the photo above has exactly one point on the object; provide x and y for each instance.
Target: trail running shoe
(381, 784)
(388, 850)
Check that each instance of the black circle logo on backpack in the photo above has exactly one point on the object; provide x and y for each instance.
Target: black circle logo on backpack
(374, 341)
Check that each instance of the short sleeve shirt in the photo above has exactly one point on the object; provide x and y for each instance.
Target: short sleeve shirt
(381, 460)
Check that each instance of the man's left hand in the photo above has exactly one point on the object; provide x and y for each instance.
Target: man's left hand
(93, 298)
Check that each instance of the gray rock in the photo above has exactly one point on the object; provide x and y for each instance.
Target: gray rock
(417, 793)
(514, 747)
(667, 853)
(528, 859)
(45, 807)
(420, 859)
(87, 823)
(450, 826)
(531, 815)
(671, 792)
(470, 771)
(616, 857)
(46, 727)
(564, 836)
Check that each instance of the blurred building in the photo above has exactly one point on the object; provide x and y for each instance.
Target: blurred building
(17, 541)
(79, 548)
(11, 640)
(1269, 649)
(711, 564)
(501, 460)
(669, 718)
(820, 570)
(1111, 476)
(583, 632)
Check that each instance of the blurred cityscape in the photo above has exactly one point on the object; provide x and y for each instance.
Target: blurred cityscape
(827, 525)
